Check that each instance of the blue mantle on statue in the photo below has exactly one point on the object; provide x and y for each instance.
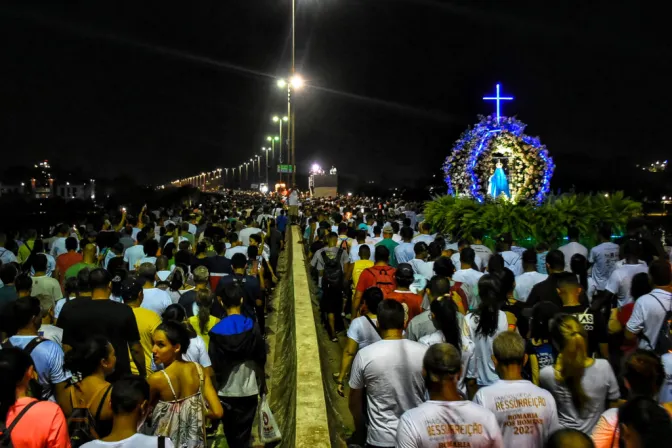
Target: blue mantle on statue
(499, 184)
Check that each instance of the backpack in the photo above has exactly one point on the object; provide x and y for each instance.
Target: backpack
(6, 432)
(333, 273)
(28, 348)
(81, 424)
(384, 277)
(664, 340)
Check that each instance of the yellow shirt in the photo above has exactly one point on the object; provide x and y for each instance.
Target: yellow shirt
(193, 320)
(147, 321)
(357, 269)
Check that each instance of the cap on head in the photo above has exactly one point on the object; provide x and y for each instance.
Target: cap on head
(387, 228)
(201, 274)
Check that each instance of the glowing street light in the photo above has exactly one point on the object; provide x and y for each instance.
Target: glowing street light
(296, 81)
(281, 83)
(277, 119)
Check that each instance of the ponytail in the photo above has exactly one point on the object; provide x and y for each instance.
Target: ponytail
(445, 317)
(204, 300)
(14, 363)
(570, 366)
(490, 293)
(579, 266)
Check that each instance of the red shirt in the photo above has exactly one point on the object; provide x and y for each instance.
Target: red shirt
(42, 426)
(411, 301)
(368, 278)
(64, 261)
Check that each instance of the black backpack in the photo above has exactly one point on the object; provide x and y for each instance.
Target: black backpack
(664, 340)
(333, 273)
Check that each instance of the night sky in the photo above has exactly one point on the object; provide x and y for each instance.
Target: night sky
(161, 90)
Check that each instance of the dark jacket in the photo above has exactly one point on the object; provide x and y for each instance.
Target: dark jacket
(234, 340)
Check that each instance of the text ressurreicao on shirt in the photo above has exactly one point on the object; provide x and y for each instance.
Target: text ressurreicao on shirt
(526, 414)
(449, 424)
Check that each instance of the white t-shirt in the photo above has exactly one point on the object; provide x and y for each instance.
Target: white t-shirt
(603, 257)
(513, 261)
(526, 413)
(423, 238)
(354, 252)
(197, 352)
(404, 252)
(467, 352)
(133, 255)
(293, 198)
(620, 280)
(482, 368)
(455, 258)
(391, 371)
(135, 441)
(648, 315)
(571, 249)
(168, 241)
(598, 382)
(621, 263)
(235, 250)
(52, 333)
(58, 246)
(7, 256)
(525, 282)
(362, 332)
(449, 424)
(156, 299)
(423, 268)
(244, 235)
(469, 278)
(483, 252)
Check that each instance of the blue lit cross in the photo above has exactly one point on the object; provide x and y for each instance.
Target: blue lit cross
(498, 98)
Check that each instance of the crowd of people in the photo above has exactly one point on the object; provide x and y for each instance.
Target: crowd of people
(450, 342)
(138, 331)
(149, 330)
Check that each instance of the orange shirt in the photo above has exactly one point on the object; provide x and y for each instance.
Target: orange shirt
(43, 426)
(64, 261)
(412, 303)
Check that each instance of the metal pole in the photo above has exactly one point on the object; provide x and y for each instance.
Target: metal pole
(267, 169)
(292, 117)
(280, 153)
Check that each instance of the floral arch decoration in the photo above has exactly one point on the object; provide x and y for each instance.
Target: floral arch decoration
(475, 154)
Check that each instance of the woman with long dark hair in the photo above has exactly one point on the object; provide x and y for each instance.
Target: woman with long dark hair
(579, 266)
(481, 326)
(183, 396)
(29, 422)
(92, 361)
(580, 384)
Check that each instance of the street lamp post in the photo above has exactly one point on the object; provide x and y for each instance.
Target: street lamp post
(258, 168)
(266, 151)
(277, 119)
(295, 83)
(240, 170)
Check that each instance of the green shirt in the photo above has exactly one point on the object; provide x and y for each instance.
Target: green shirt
(390, 244)
(75, 268)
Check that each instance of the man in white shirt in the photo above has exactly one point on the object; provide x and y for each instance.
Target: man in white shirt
(155, 299)
(526, 281)
(649, 312)
(620, 280)
(391, 372)
(424, 235)
(236, 247)
(512, 260)
(293, 202)
(573, 247)
(469, 276)
(361, 240)
(251, 229)
(527, 414)
(603, 258)
(455, 258)
(481, 249)
(404, 252)
(447, 419)
(58, 245)
(135, 253)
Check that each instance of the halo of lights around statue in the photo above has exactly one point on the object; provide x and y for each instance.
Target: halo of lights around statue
(478, 164)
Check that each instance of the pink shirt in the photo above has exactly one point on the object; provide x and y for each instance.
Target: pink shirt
(43, 426)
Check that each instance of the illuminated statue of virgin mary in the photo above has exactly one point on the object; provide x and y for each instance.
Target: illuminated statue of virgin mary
(498, 183)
